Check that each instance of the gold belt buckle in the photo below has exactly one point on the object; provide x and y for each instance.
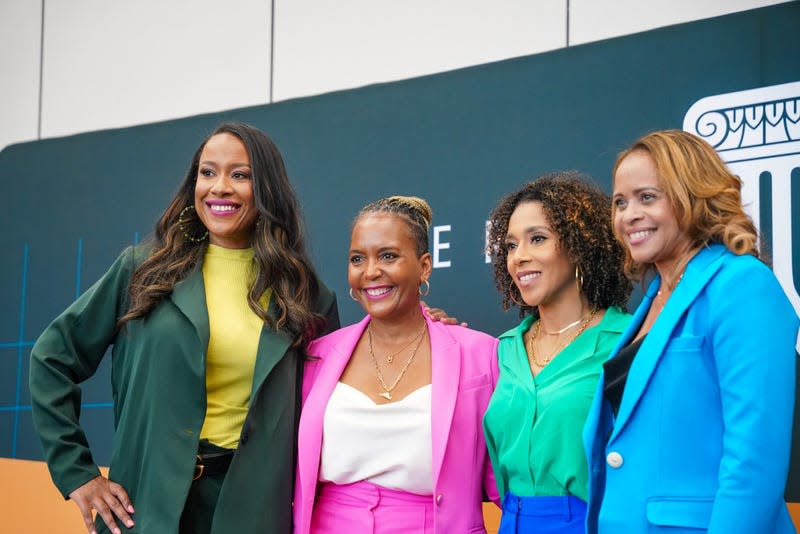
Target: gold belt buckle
(198, 468)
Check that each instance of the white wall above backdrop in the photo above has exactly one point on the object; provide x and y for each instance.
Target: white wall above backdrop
(71, 66)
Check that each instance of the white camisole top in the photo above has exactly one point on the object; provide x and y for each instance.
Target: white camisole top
(386, 444)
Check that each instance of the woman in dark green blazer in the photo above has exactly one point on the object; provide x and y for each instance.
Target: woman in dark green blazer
(228, 251)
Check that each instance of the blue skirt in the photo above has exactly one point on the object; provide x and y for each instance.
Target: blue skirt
(542, 515)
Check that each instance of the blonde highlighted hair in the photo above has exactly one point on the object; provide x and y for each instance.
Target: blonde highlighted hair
(704, 194)
(415, 210)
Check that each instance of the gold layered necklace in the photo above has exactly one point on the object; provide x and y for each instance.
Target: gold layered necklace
(387, 390)
(581, 325)
(561, 331)
(390, 357)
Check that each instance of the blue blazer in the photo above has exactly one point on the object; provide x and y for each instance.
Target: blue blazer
(703, 434)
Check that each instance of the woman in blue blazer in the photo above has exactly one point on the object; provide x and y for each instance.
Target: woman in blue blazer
(690, 427)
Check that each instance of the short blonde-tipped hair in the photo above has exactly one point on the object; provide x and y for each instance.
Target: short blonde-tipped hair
(415, 210)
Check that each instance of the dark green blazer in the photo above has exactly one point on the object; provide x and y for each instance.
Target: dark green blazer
(158, 381)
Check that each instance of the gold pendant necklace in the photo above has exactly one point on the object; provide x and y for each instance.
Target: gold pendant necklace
(387, 390)
(390, 357)
(533, 357)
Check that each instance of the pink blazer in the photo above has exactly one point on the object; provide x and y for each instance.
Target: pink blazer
(464, 372)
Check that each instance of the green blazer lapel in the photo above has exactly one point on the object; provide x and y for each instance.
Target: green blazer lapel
(189, 295)
(698, 272)
(272, 345)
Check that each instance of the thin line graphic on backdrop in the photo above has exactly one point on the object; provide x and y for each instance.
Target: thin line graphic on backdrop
(41, 75)
(20, 339)
(21, 344)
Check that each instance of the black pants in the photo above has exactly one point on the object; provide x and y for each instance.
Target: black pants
(198, 512)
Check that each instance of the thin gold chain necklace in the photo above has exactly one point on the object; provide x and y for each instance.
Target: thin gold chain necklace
(390, 357)
(559, 332)
(532, 356)
(665, 290)
(387, 390)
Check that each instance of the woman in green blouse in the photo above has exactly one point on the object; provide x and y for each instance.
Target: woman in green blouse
(555, 257)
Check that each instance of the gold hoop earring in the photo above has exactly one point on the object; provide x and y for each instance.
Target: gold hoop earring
(515, 301)
(578, 278)
(352, 296)
(183, 219)
(427, 288)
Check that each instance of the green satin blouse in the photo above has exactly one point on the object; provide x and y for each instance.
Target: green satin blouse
(533, 425)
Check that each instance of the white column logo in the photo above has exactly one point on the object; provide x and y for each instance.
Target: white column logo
(757, 133)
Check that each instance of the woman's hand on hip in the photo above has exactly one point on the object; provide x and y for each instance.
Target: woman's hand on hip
(106, 497)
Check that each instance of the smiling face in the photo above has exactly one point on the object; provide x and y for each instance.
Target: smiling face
(539, 267)
(384, 271)
(644, 219)
(223, 194)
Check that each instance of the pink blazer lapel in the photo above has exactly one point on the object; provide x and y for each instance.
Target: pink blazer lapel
(445, 373)
(335, 350)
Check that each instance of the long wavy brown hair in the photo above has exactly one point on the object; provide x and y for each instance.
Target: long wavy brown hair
(278, 241)
(578, 212)
(705, 195)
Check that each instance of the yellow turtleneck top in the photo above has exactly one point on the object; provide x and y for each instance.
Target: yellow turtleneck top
(234, 334)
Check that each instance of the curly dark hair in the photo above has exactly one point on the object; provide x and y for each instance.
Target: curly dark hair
(579, 213)
(278, 242)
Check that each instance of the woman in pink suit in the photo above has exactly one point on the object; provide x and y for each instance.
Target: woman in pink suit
(390, 438)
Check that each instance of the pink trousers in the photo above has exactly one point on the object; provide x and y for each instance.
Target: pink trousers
(364, 508)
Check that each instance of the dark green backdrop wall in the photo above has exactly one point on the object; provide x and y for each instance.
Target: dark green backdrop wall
(460, 139)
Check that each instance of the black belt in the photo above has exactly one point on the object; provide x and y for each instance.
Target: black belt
(212, 464)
